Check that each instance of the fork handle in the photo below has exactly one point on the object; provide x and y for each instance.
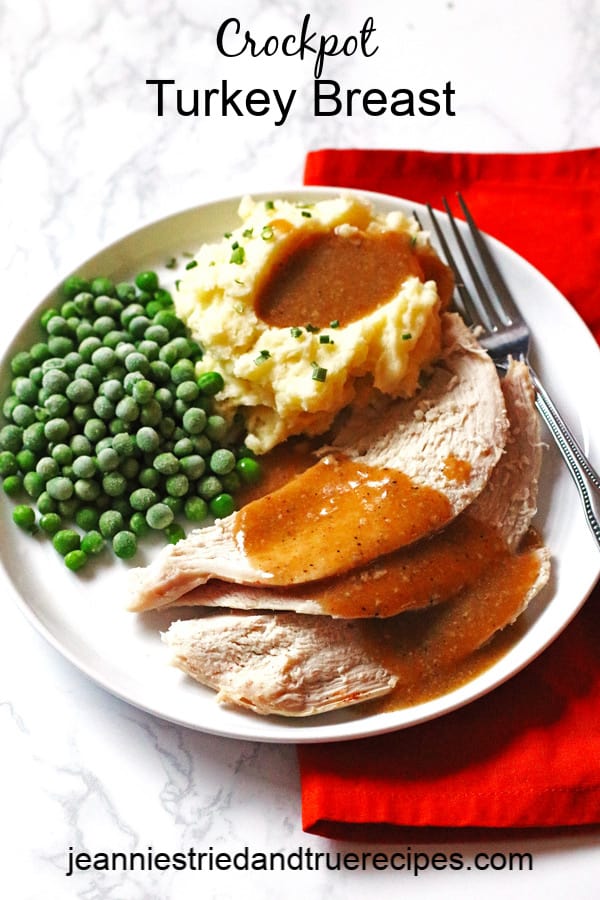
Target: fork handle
(583, 473)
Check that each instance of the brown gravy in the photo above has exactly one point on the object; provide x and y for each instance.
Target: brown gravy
(437, 648)
(334, 516)
(426, 573)
(322, 276)
(434, 651)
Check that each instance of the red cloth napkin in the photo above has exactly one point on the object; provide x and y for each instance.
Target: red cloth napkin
(526, 755)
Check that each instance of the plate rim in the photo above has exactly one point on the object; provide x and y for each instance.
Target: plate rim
(283, 730)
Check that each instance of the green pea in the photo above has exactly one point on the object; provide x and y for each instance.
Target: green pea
(151, 413)
(177, 485)
(194, 420)
(138, 326)
(47, 468)
(216, 428)
(80, 445)
(149, 478)
(74, 285)
(249, 470)
(8, 463)
(24, 517)
(108, 459)
(174, 533)
(127, 409)
(60, 488)
(87, 518)
(222, 461)
(11, 438)
(114, 484)
(104, 408)
(147, 439)
(182, 371)
(110, 523)
(195, 509)
(39, 352)
(164, 397)
(46, 504)
(150, 349)
(159, 516)
(50, 523)
(166, 463)
(104, 358)
(112, 389)
(143, 391)
(92, 543)
(60, 345)
(34, 437)
(12, 485)
(57, 406)
(83, 302)
(26, 460)
(34, 484)
(56, 430)
(209, 487)
(210, 383)
(124, 544)
(25, 389)
(66, 540)
(21, 363)
(87, 489)
(75, 560)
(222, 505)
(160, 372)
(102, 285)
(124, 444)
(157, 333)
(138, 524)
(94, 430)
(147, 281)
(125, 291)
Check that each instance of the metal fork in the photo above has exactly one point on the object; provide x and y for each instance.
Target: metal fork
(504, 333)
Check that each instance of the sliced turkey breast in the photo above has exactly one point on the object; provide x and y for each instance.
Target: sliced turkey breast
(432, 570)
(387, 481)
(291, 664)
(299, 665)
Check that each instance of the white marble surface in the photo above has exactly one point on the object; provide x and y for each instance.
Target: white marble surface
(85, 158)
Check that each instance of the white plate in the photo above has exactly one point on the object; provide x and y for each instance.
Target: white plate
(83, 616)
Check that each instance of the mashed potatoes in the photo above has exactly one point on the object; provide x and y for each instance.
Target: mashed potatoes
(303, 306)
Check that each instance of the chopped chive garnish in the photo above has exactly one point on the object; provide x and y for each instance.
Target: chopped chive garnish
(267, 233)
(269, 204)
(188, 254)
(406, 336)
(238, 255)
(247, 233)
(171, 264)
(262, 356)
(312, 328)
(325, 339)
(235, 245)
(295, 331)
(177, 283)
(212, 263)
(413, 241)
(319, 373)
(237, 281)
(227, 234)
(192, 264)
(306, 214)
(335, 323)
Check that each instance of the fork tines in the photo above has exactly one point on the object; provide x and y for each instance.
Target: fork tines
(493, 309)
